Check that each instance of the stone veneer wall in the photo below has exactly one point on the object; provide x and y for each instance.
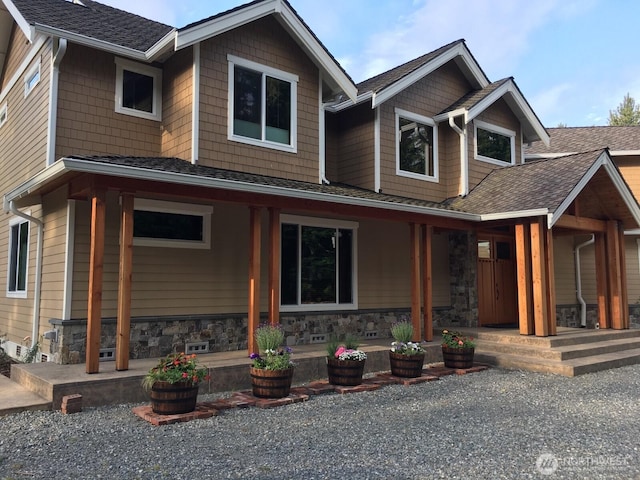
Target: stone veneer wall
(158, 336)
(463, 273)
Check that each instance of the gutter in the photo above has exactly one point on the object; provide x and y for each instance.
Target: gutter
(10, 207)
(53, 100)
(583, 304)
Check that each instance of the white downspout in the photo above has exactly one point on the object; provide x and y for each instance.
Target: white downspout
(195, 103)
(322, 132)
(583, 304)
(464, 164)
(38, 281)
(53, 100)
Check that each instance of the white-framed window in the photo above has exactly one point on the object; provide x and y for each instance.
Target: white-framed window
(169, 224)
(416, 146)
(318, 264)
(494, 144)
(262, 105)
(32, 78)
(138, 89)
(18, 258)
(4, 114)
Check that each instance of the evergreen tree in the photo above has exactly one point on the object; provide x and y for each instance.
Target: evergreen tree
(627, 113)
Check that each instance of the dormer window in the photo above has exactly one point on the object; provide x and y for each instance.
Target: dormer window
(138, 89)
(494, 144)
(262, 103)
(416, 146)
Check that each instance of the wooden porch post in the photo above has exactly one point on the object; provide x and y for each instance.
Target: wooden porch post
(624, 297)
(254, 276)
(551, 283)
(615, 282)
(523, 269)
(415, 280)
(602, 280)
(427, 285)
(96, 267)
(538, 276)
(274, 266)
(123, 326)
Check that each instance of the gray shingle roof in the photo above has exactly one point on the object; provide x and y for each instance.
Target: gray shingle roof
(581, 139)
(384, 80)
(534, 185)
(95, 20)
(474, 97)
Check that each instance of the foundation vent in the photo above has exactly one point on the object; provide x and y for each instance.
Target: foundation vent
(371, 334)
(196, 347)
(107, 354)
(44, 357)
(318, 338)
(18, 350)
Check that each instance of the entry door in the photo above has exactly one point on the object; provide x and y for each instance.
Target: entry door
(496, 281)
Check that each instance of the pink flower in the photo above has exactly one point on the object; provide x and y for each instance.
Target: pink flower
(460, 342)
(185, 375)
(340, 351)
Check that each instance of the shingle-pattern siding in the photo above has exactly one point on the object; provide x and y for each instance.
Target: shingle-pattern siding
(355, 137)
(177, 94)
(94, 20)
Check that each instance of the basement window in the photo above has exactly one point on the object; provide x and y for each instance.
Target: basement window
(169, 224)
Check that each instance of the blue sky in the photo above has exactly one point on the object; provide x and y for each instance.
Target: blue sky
(574, 60)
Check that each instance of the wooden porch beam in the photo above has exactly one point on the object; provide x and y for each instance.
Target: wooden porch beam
(523, 274)
(123, 325)
(427, 282)
(615, 280)
(415, 280)
(274, 266)
(602, 281)
(538, 276)
(581, 223)
(551, 283)
(96, 267)
(254, 276)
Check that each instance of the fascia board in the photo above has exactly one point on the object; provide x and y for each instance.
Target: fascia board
(623, 153)
(622, 187)
(162, 45)
(19, 19)
(224, 23)
(546, 156)
(454, 113)
(537, 212)
(473, 66)
(350, 103)
(83, 166)
(33, 52)
(92, 42)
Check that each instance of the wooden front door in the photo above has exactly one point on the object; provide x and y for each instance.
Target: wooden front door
(496, 280)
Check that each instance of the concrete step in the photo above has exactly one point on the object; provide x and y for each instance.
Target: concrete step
(15, 398)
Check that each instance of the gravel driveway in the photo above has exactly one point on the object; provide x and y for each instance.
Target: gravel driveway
(488, 425)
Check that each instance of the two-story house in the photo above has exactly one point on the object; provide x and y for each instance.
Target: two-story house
(172, 188)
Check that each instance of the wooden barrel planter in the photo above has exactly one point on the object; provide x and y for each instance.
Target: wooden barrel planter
(173, 398)
(406, 366)
(271, 383)
(457, 357)
(346, 373)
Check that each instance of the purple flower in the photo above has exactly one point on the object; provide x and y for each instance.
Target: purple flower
(254, 356)
(287, 349)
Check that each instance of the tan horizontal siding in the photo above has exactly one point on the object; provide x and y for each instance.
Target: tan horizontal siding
(18, 48)
(564, 269)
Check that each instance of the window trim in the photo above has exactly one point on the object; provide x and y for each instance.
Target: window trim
(4, 114)
(414, 117)
(291, 78)
(204, 211)
(142, 69)
(495, 129)
(323, 223)
(32, 78)
(18, 293)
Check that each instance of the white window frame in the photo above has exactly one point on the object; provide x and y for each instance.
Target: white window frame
(414, 117)
(292, 79)
(153, 72)
(496, 129)
(18, 293)
(32, 78)
(204, 211)
(4, 114)
(324, 223)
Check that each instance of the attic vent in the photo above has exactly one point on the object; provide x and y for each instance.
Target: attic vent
(107, 354)
(197, 347)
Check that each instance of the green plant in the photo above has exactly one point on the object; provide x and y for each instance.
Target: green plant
(174, 368)
(31, 353)
(402, 333)
(272, 356)
(456, 340)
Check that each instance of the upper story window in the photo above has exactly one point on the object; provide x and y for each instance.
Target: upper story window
(169, 224)
(32, 78)
(3, 114)
(416, 146)
(18, 257)
(318, 264)
(494, 144)
(138, 89)
(262, 105)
